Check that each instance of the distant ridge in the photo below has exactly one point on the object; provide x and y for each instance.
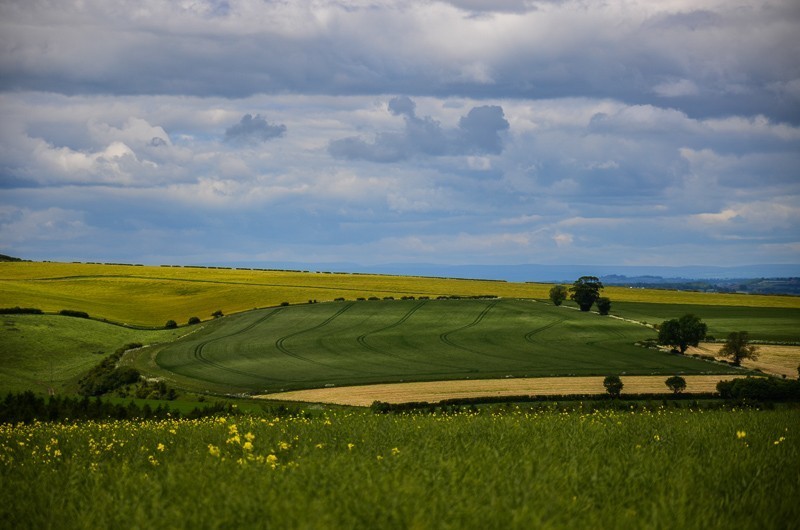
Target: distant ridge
(4, 258)
(548, 273)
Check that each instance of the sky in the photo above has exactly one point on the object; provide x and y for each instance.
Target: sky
(386, 131)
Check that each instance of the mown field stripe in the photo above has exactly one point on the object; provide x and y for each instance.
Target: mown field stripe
(435, 391)
(446, 336)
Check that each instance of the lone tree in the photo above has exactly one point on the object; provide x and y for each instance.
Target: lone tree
(738, 347)
(676, 383)
(613, 385)
(586, 291)
(604, 305)
(558, 294)
(683, 332)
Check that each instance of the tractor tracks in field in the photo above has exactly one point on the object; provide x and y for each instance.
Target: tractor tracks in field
(280, 344)
(362, 341)
(446, 337)
(198, 353)
(531, 334)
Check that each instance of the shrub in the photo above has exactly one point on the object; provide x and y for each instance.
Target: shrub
(676, 383)
(613, 385)
(217, 313)
(193, 321)
(758, 388)
(20, 311)
(72, 313)
(603, 305)
(284, 304)
(171, 324)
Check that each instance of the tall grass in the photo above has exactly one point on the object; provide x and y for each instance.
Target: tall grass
(498, 469)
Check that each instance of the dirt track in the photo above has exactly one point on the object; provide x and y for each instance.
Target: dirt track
(435, 391)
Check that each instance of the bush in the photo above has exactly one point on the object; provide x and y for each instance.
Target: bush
(613, 385)
(284, 304)
(20, 311)
(603, 305)
(217, 313)
(676, 383)
(759, 388)
(193, 321)
(171, 324)
(72, 313)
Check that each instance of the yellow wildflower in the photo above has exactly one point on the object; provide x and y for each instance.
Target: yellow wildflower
(214, 450)
(350, 446)
(248, 446)
(249, 437)
(740, 435)
(160, 447)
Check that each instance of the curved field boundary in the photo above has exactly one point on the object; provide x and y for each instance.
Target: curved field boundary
(435, 391)
(197, 353)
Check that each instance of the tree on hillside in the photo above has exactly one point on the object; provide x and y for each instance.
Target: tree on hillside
(676, 383)
(604, 305)
(739, 348)
(613, 385)
(558, 294)
(683, 332)
(585, 291)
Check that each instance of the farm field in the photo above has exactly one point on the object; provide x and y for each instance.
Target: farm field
(775, 324)
(436, 391)
(511, 468)
(149, 296)
(39, 352)
(349, 343)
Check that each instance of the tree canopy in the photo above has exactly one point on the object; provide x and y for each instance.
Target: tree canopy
(585, 291)
(683, 332)
(738, 347)
(558, 294)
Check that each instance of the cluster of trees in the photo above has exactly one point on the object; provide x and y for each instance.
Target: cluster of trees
(107, 376)
(585, 292)
(27, 407)
(689, 330)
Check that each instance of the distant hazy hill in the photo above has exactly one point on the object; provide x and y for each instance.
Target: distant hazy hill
(3, 257)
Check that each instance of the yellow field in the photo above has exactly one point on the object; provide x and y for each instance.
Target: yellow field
(152, 295)
(435, 391)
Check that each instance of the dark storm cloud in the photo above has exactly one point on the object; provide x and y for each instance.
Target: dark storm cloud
(478, 133)
(714, 60)
(254, 129)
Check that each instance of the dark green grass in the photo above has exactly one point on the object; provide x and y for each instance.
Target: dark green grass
(366, 342)
(38, 352)
(763, 323)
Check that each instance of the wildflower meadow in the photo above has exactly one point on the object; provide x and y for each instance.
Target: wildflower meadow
(502, 467)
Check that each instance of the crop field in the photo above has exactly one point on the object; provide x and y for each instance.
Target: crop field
(149, 296)
(349, 343)
(507, 468)
(779, 324)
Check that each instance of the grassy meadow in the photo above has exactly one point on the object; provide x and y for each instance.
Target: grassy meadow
(40, 352)
(504, 468)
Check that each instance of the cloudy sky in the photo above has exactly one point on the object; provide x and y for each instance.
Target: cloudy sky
(379, 131)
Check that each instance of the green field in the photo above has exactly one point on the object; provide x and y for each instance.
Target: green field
(505, 469)
(48, 351)
(772, 324)
(348, 343)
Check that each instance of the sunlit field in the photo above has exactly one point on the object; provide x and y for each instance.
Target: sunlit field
(150, 295)
(499, 468)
